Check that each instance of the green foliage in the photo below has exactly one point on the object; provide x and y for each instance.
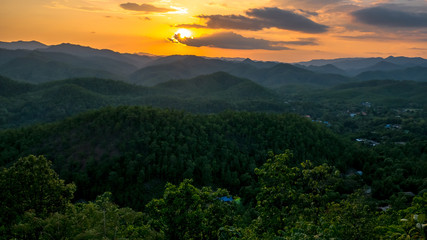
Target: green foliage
(130, 151)
(26, 104)
(101, 219)
(186, 212)
(293, 198)
(351, 218)
(31, 185)
(409, 223)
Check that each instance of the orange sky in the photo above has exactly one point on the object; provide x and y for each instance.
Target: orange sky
(278, 30)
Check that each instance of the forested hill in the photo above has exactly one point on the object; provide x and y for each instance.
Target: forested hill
(23, 103)
(220, 85)
(390, 93)
(270, 76)
(131, 151)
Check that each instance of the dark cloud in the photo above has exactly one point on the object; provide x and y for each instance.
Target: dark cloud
(258, 19)
(284, 19)
(230, 40)
(387, 17)
(309, 13)
(418, 49)
(143, 7)
(376, 37)
(310, 4)
(190, 26)
(303, 42)
(233, 22)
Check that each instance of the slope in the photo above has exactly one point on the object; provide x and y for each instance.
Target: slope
(37, 67)
(267, 76)
(220, 85)
(389, 93)
(412, 73)
(24, 104)
(130, 150)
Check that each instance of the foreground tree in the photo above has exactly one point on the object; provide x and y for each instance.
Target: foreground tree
(409, 223)
(293, 198)
(186, 212)
(101, 219)
(31, 185)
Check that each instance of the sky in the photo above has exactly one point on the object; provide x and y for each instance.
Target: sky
(269, 30)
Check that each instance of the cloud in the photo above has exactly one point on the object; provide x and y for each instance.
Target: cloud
(307, 4)
(387, 17)
(233, 22)
(144, 7)
(230, 40)
(373, 37)
(418, 49)
(190, 26)
(284, 19)
(309, 13)
(302, 42)
(260, 18)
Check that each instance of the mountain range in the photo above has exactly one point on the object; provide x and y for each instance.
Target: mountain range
(36, 62)
(25, 103)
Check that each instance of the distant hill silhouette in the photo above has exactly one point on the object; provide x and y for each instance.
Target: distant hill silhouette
(27, 45)
(24, 103)
(381, 92)
(37, 67)
(88, 52)
(272, 77)
(328, 68)
(355, 66)
(64, 61)
(413, 73)
(220, 85)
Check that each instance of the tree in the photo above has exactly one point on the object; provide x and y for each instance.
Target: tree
(351, 218)
(31, 184)
(410, 223)
(292, 198)
(101, 219)
(186, 212)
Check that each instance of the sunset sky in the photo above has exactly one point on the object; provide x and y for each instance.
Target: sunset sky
(278, 30)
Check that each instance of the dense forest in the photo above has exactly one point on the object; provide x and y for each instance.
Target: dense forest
(184, 147)
(133, 152)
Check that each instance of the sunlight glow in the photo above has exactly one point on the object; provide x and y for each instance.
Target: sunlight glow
(183, 33)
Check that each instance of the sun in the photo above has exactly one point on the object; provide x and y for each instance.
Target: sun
(184, 33)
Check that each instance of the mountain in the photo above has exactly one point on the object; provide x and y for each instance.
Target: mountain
(259, 64)
(412, 73)
(42, 66)
(406, 61)
(66, 60)
(344, 63)
(271, 77)
(285, 74)
(88, 52)
(128, 149)
(9, 55)
(354, 66)
(10, 88)
(177, 67)
(383, 66)
(389, 93)
(38, 67)
(27, 45)
(220, 85)
(328, 68)
(24, 104)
